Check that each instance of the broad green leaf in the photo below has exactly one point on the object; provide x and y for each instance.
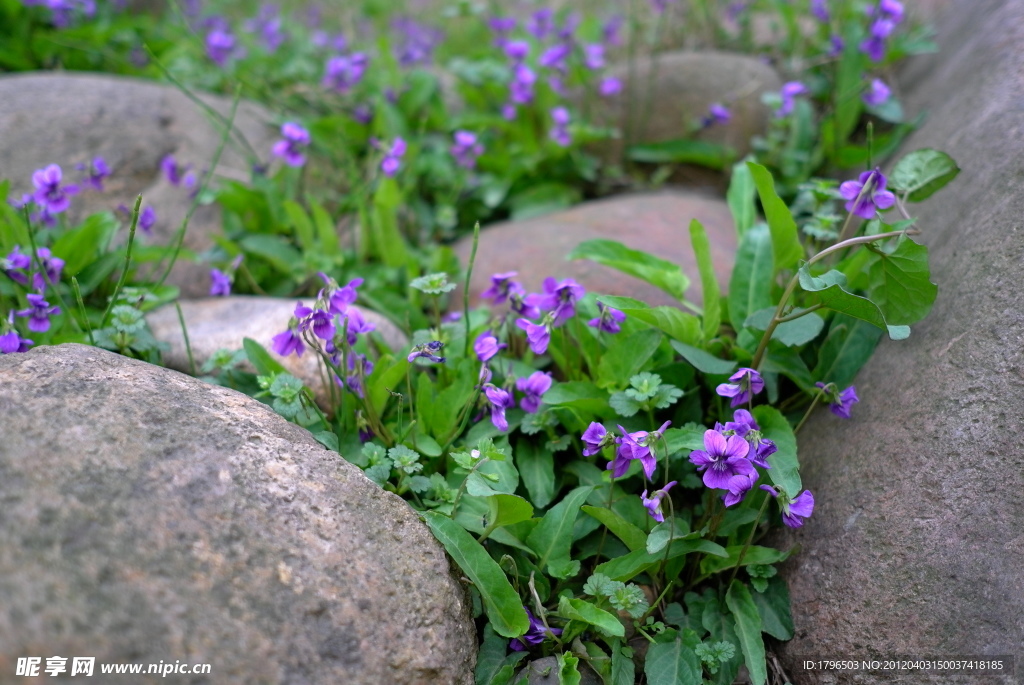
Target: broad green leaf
(81, 246)
(387, 238)
(921, 173)
(900, 284)
(741, 199)
(704, 362)
(542, 198)
(790, 333)
(302, 223)
(582, 610)
(626, 356)
(426, 445)
(664, 533)
(684, 439)
(582, 395)
(785, 467)
(261, 359)
(629, 565)
(394, 370)
(846, 349)
(748, 629)
(751, 284)
(622, 666)
(502, 604)
(755, 554)
(659, 272)
(631, 536)
(786, 248)
(672, 663)
(537, 470)
(478, 486)
(326, 233)
(677, 324)
(491, 656)
(831, 291)
(712, 317)
(508, 509)
(716, 619)
(683, 151)
(568, 669)
(788, 362)
(278, 252)
(552, 538)
(773, 605)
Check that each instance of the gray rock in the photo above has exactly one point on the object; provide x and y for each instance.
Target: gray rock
(69, 118)
(653, 222)
(216, 323)
(544, 671)
(916, 542)
(148, 516)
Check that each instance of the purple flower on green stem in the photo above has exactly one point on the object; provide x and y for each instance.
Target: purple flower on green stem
(339, 297)
(487, 346)
(840, 403)
(466, 149)
(538, 335)
(653, 503)
(16, 265)
(38, 313)
(355, 325)
(595, 438)
(516, 51)
(560, 131)
(593, 56)
(877, 93)
(609, 86)
(392, 161)
(717, 114)
(147, 218)
(793, 511)
(220, 45)
(559, 298)
(502, 286)
(789, 93)
(427, 350)
(415, 41)
(738, 487)
(744, 425)
(837, 44)
(291, 147)
(636, 445)
(177, 175)
(534, 636)
(820, 10)
(745, 384)
(517, 303)
(220, 283)
(12, 342)
(521, 88)
(874, 45)
(533, 388)
(555, 57)
(721, 459)
(344, 73)
(96, 172)
(609, 319)
(541, 23)
(291, 340)
(268, 24)
(888, 9)
(867, 194)
(51, 268)
(500, 400)
(50, 195)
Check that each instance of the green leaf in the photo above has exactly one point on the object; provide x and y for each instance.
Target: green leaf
(710, 291)
(687, 438)
(848, 346)
(501, 601)
(773, 605)
(900, 284)
(785, 467)
(790, 333)
(582, 610)
(552, 538)
(704, 362)
(394, 371)
(626, 356)
(568, 671)
(631, 536)
(751, 284)
(302, 223)
(81, 246)
(672, 663)
(261, 359)
(664, 533)
(388, 239)
(623, 672)
(683, 151)
(786, 248)
(748, 629)
(542, 198)
(275, 249)
(921, 173)
(741, 199)
(831, 290)
(677, 324)
(537, 469)
(754, 555)
(660, 273)
(629, 565)
(491, 657)
(508, 509)
(582, 395)
(326, 233)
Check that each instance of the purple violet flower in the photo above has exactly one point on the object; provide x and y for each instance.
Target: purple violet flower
(177, 174)
(220, 45)
(636, 445)
(415, 41)
(52, 267)
(500, 400)
(795, 511)
(16, 265)
(291, 340)
(593, 56)
(268, 24)
(837, 45)
(609, 86)
(521, 88)
(746, 383)
(611, 31)
(538, 335)
(877, 94)
(558, 297)
(294, 141)
(867, 194)
(426, 351)
(220, 283)
(355, 325)
(789, 92)
(555, 57)
(502, 286)
(487, 346)
(534, 636)
(595, 438)
(609, 319)
(466, 149)
(721, 459)
(96, 172)
(50, 195)
(147, 219)
(12, 342)
(339, 297)
(653, 503)
(874, 45)
(343, 73)
(392, 161)
(820, 11)
(38, 313)
(840, 403)
(533, 388)
(717, 114)
(541, 23)
(560, 131)
(738, 487)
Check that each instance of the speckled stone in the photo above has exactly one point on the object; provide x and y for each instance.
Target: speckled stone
(216, 323)
(658, 223)
(147, 516)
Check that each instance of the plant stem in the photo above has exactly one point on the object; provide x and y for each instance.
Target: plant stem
(465, 290)
(750, 538)
(127, 261)
(184, 334)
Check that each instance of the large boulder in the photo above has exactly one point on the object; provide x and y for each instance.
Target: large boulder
(916, 542)
(653, 222)
(148, 516)
(223, 323)
(70, 118)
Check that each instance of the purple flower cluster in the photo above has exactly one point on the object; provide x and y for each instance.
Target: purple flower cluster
(839, 403)
(221, 44)
(291, 148)
(789, 93)
(466, 148)
(176, 174)
(886, 15)
(717, 114)
(268, 25)
(560, 131)
(343, 73)
(558, 301)
(867, 194)
(743, 385)
(18, 267)
(63, 11)
(415, 41)
(636, 446)
(609, 319)
(392, 161)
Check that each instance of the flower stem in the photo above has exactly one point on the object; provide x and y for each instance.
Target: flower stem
(750, 538)
(465, 289)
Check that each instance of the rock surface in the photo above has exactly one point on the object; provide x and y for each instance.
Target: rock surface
(70, 118)
(156, 517)
(916, 542)
(216, 323)
(653, 222)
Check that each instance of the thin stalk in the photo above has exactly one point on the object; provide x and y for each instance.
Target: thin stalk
(39, 267)
(184, 334)
(127, 261)
(465, 289)
(750, 539)
(807, 414)
(81, 307)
